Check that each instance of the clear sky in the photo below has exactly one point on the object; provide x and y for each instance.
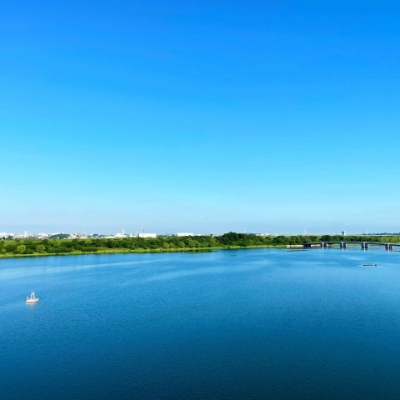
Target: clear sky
(208, 116)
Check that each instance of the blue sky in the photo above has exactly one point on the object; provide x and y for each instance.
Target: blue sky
(206, 116)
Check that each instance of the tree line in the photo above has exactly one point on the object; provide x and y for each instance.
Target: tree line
(171, 243)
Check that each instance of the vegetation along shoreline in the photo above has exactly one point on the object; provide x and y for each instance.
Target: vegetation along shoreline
(168, 244)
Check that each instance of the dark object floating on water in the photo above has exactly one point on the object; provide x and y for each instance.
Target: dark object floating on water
(369, 265)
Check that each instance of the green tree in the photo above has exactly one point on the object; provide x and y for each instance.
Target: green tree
(21, 248)
(11, 247)
(40, 248)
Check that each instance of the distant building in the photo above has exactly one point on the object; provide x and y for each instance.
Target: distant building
(185, 234)
(343, 233)
(120, 235)
(147, 235)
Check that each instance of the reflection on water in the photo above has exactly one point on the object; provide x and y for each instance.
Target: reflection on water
(204, 271)
(262, 323)
(49, 268)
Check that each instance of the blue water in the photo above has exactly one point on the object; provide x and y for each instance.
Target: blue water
(243, 324)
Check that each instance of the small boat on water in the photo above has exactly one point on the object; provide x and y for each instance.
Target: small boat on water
(32, 299)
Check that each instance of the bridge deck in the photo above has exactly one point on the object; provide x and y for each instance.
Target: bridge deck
(372, 243)
(346, 243)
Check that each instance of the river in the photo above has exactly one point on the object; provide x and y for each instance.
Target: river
(234, 324)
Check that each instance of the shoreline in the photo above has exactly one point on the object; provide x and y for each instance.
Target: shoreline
(150, 251)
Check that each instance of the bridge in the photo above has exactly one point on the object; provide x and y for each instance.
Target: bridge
(343, 245)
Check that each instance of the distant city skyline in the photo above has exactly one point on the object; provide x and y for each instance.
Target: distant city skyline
(212, 116)
(136, 233)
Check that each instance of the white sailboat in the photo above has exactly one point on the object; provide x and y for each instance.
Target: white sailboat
(32, 299)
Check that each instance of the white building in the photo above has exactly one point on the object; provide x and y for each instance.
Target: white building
(185, 234)
(120, 235)
(147, 235)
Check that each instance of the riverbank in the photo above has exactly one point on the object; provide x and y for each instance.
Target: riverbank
(31, 247)
(140, 251)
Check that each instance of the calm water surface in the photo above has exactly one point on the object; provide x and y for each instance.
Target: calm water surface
(243, 324)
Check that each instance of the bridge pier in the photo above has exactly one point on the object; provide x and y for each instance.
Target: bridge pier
(388, 247)
(325, 245)
(343, 245)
